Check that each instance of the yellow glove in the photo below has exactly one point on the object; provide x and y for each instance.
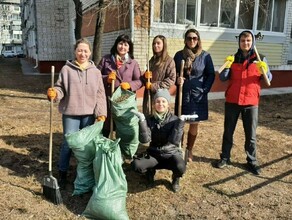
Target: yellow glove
(148, 85)
(230, 59)
(148, 75)
(111, 76)
(52, 94)
(125, 85)
(260, 65)
(101, 118)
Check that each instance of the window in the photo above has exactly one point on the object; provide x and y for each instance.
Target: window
(175, 11)
(270, 16)
(266, 15)
(227, 13)
(246, 11)
(164, 11)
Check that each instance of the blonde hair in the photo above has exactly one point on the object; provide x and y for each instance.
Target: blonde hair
(84, 41)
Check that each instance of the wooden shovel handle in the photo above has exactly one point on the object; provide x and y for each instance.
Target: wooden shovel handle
(111, 121)
(51, 122)
(222, 67)
(267, 81)
(181, 74)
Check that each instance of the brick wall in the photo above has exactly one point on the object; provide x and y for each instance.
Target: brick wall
(54, 34)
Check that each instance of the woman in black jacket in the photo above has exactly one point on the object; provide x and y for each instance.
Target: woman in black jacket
(164, 132)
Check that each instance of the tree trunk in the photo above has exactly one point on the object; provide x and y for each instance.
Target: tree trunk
(78, 21)
(100, 19)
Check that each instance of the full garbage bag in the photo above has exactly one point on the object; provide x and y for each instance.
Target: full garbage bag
(83, 147)
(127, 127)
(108, 200)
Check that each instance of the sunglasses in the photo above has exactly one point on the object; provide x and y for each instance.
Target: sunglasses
(192, 38)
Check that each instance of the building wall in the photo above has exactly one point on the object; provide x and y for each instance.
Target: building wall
(54, 33)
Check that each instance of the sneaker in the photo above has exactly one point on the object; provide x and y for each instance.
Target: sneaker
(175, 184)
(254, 168)
(223, 163)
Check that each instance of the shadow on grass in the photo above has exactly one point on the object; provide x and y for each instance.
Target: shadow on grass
(212, 186)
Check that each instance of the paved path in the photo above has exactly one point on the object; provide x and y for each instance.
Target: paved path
(28, 68)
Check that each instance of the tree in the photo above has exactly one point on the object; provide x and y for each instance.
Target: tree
(78, 21)
(99, 26)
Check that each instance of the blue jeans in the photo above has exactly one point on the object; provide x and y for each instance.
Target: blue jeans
(71, 124)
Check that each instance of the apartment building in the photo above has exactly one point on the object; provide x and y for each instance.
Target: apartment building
(10, 26)
(48, 29)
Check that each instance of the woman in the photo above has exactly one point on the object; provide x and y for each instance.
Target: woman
(198, 77)
(80, 91)
(164, 132)
(162, 71)
(121, 67)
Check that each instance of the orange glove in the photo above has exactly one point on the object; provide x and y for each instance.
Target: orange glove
(148, 85)
(148, 75)
(125, 85)
(101, 118)
(111, 76)
(52, 94)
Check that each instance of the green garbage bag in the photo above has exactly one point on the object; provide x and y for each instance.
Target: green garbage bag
(108, 200)
(83, 147)
(127, 127)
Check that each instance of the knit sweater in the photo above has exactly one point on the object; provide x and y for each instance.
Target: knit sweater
(81, 92)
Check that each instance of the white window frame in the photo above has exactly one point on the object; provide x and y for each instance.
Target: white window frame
(198, 13)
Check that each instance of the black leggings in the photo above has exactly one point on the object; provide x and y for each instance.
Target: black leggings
(175, 163)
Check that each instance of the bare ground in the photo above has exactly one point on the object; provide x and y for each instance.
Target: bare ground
(206, 192)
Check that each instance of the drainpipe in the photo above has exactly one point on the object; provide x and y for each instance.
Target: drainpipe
(36, 41)
(132, 19)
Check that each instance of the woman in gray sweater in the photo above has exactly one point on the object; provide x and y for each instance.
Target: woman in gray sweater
(81, 96)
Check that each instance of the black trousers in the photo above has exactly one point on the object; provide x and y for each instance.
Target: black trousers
(174, 162)
(249, 115)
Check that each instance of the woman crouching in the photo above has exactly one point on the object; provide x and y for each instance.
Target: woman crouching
(164, 132)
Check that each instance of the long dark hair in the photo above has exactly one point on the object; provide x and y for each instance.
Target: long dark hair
(124, 38)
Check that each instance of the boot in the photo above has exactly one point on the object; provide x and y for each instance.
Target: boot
(62, 179)
(150, 176)
(190, 145)
(175, 184)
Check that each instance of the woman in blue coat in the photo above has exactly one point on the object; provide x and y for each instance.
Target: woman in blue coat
(197, 80)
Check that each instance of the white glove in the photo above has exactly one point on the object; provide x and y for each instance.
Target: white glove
(140, 115)
(188, 117)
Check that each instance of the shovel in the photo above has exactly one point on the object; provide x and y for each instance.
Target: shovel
(111, 120)
(50, 185)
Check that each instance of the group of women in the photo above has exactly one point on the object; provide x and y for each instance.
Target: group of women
(82, 91)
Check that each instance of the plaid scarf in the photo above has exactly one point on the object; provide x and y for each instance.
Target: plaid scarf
(189, 56)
